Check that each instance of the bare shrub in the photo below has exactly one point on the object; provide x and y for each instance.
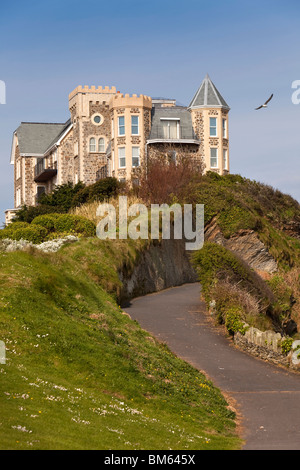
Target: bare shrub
(166, 175)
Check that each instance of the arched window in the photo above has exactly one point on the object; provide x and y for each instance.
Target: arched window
(92, 144)
(101, 145)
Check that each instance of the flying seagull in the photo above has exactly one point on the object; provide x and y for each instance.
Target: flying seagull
(266, 103)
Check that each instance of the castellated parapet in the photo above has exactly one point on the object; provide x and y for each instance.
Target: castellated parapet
(92, 89)
(120, 100)
(80, 98)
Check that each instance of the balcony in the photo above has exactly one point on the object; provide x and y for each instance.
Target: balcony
(43, 173)
(179, 133)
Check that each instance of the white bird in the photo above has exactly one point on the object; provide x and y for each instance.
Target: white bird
(266, 103)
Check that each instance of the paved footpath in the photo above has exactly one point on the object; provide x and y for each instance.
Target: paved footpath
(266, 397)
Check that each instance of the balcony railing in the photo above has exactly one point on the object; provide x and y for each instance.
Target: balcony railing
(179, 133)
(44, 173)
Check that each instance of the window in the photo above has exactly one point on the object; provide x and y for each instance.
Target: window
(213, 127)
(122, 157)
(225, 161)
(92, 144)
(101, 145)
(18, 197)
(214, 158)
(224, 127)
(97, 119)
(135, 156)
(134, 125)
(121, 125)
(170, 129)
(40, 190)
(18, 170)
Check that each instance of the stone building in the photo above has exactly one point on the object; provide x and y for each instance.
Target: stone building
(112, 134)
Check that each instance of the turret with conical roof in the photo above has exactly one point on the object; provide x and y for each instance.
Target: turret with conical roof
(208, 96)
(209, 112)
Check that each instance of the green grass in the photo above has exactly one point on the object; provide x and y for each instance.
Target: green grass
(80, 374)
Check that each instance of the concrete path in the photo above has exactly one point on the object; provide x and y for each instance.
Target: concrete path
(266, 397)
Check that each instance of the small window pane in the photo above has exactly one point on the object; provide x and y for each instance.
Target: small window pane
(92, 145)
(225, 159)
(121, 125)
(224, 129)
(101, 146)
(122, 157)
(214, 158)
(213, 127)
(134, 125)
(135, 156)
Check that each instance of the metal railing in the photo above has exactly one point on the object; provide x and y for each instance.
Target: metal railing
(173, 133)
(40, 167)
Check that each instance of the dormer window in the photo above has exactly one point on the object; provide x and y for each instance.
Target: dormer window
(170, 128)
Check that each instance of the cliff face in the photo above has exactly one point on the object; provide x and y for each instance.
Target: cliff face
(247, 245)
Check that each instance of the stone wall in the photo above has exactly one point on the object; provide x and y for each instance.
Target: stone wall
(267, 346)
(164, 264)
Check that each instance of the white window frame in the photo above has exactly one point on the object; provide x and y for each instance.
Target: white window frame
(225, 159)
(177, 120)
(121, 126)
(18, 169)
(101, 146)
(135, 156)
(224, 128)
(137, 126)
(18, 197)
(121, 156)
(214, 157)
(213, 127)
(92, 146)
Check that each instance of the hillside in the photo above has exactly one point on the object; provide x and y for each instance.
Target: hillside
(80, 374)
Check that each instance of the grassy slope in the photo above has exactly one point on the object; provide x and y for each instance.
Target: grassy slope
(82, 375)
(239, 203)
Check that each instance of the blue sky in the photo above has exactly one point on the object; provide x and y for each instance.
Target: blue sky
(250, 49)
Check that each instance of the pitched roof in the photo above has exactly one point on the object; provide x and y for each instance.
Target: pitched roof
(208, 96)
(34, 138)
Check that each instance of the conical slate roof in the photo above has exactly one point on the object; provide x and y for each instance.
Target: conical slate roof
(208, 96)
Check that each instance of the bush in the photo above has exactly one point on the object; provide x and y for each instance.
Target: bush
(61, 197)
(68, 223)
(47, 221)
(32, 234)
(102, 189)
(234, 322)
(286, 346)
(9, 229)
(28, 213)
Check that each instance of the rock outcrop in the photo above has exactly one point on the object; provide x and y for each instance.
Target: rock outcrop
(247, 245)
